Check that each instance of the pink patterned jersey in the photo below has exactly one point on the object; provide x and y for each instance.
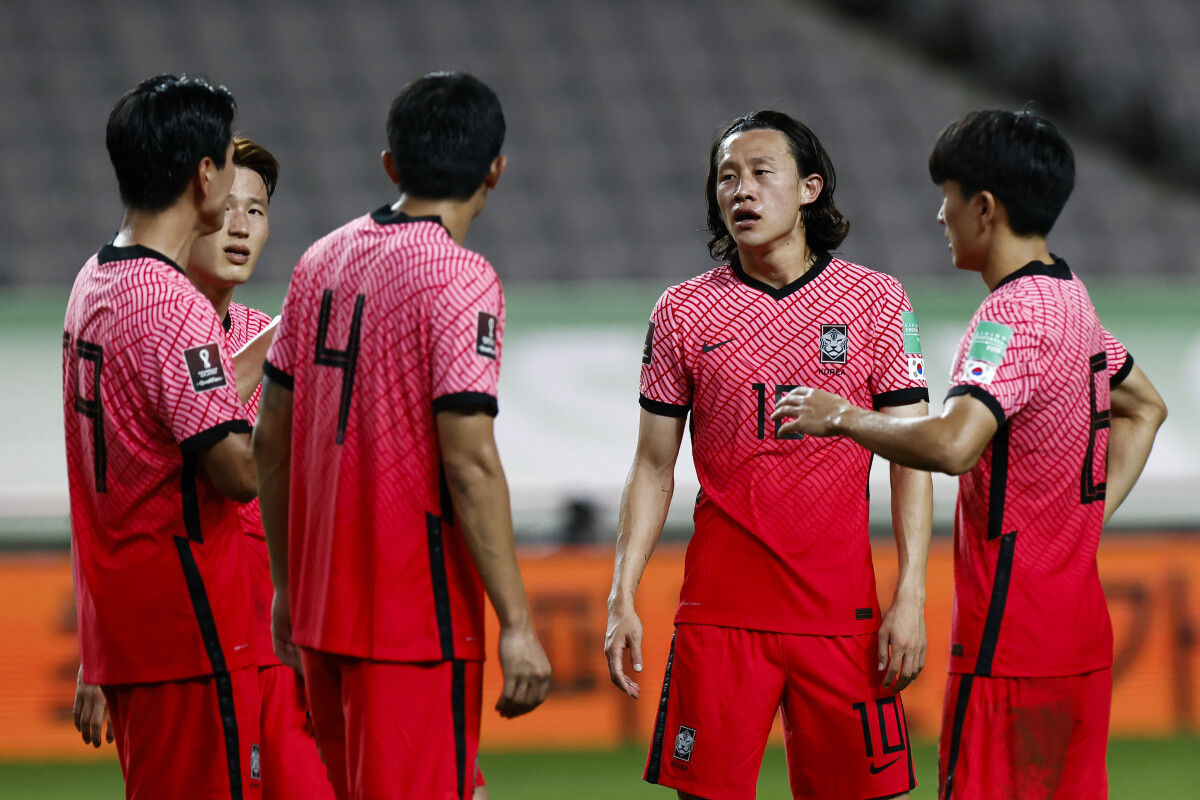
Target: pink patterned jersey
(160, 581)
(781, 538)
(387, 322)
(241, 325)
(1027, 595)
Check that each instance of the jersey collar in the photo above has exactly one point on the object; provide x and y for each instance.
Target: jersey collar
(1058, 269)
(134, 252)
(227, 322)
(823, 260)
(386, 216)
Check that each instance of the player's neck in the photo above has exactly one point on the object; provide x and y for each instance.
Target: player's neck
(170, 232)
(219, 296)
(780, 264)
(456, 215)
(1011, 252)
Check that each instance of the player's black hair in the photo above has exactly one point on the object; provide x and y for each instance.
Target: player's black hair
(159, 132)
(824, 226)
(253, 156)
(1018, 156)
(444, 131)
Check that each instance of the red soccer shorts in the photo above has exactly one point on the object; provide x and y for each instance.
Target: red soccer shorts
(396, 729)
(193, 738)
(1025, 737)
(846, 737)
(290, 759)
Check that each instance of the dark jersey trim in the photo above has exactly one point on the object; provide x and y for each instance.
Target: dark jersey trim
(440, 584)
(213, 435)
(189, 494)
(654, 764)
(1120, 375)
(467, 402)
(110, 253)
(823, 260)
(900, 397)
(458, 708)
(995, 614)
(212, 647)
(982, 396)
(384, 215)
(960, 715)
(1058, 269)
(998, 487)
(227, 322)
(663, 409)
(279, 376)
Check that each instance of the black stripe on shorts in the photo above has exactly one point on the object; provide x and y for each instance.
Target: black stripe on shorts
(654, 765)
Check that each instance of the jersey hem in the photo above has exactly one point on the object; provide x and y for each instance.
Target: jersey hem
(431, 656)
(663, 409)
(214, 435)
(981, 395)
(866, 628)
(279, 376)
(1065, 672)
(900, 397)
(467, 401)
(1120, 375)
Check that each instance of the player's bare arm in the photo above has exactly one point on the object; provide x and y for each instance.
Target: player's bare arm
(247, 362)
(91, 713)
(644, 506)
(902, 642)
(273, 458)
(1137, 413)
(480, 494)
(230, 466)
(951, 442)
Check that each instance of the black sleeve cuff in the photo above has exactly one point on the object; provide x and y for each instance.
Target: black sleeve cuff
(467, 402)
(214, 435)
(982, 396)
(900, 397)
(1123, 373)
(279, 376)
(663, 409)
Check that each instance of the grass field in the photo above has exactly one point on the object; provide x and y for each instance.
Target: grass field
(1163, 770)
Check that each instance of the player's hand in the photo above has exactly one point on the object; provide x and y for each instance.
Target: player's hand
(811, 411)
(624, 633)
(902, 643)
(526, 671)
(91, 712)
(281, 633)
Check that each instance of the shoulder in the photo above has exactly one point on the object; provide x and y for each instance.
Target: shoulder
(863, 279)
(716, 282)
(253, 319)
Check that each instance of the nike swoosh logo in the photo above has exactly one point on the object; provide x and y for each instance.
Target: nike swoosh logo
(708, 348)
(876, 770)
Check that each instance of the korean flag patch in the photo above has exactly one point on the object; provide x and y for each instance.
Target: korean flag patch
(986, 352)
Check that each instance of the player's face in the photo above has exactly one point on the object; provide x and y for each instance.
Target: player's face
(960, 217)
(759, 189)
(210, 211)
(228, 257)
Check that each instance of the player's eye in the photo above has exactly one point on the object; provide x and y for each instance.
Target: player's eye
(762, 172)
(256, 211)
(728, 176)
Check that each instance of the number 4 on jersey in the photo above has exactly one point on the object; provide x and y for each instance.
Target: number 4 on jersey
(345, 360)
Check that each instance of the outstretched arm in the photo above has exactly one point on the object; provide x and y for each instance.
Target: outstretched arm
(1137, 413)
(644, 506)
(951, 442)
(480, 495)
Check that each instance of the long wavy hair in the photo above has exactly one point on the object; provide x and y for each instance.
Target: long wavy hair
(824, 226)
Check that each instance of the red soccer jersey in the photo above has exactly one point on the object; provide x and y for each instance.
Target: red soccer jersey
(241, 325)
(781, 539)
(1027, 595)
(386, 323)
(160, 581)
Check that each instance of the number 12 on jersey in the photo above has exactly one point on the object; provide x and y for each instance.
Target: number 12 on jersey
(780, 390)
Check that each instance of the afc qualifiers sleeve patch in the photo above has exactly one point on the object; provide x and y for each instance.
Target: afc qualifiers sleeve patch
(485, 335)
(648, 349)
(986, 352)
(204, 367)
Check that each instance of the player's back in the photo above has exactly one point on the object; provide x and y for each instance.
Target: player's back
(387, 322)
(146, 387)
(1028, 595)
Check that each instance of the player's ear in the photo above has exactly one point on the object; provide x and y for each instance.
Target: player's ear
(499, 163)
(206, 175)
(810, 188)
(389, 166)
(988, 208)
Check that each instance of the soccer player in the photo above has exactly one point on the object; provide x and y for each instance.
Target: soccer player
(385, 505)
(157, 446)
(778, 607)
(1048, 422)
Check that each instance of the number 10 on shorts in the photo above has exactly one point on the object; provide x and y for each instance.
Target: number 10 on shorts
(890, 727)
